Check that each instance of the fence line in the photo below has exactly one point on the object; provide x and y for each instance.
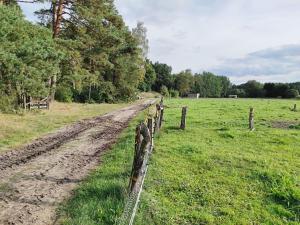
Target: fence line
(144, 145)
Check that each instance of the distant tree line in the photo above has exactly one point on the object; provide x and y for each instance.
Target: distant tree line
(255, 89)
(159, 77)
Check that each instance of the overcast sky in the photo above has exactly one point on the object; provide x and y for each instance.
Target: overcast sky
(243, 39)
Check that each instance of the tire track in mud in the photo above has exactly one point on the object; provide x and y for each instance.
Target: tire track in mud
(36, 178)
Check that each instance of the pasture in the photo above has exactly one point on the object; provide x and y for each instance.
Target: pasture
(219, 172)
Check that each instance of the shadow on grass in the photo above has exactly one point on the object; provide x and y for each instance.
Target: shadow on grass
(98, 202)
(176, 128)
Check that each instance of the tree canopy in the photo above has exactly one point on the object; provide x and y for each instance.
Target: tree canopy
(28, 56)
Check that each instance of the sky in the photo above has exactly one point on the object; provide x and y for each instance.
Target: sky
(242, 39)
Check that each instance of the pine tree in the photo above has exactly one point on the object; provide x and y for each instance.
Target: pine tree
(28, 55)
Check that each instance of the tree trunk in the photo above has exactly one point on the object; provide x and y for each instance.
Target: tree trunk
(24, 101)
(52, 88)
(90, 91)
(57, 10)
(57, 15)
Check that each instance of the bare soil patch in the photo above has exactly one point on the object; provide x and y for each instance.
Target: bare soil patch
(283, 124)
(34, 179)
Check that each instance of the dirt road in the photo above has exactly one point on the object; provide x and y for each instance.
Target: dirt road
(37, 177)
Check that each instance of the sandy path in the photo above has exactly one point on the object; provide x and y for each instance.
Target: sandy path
(36, 178)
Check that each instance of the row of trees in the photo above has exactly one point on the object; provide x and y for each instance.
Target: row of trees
(80, 50)
(159, 78)
(254, 89)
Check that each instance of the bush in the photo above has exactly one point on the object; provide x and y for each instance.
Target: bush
(64, 94)
(107, 92)
(164, 91)
(292, 93)
(8, 104)
(174, 93)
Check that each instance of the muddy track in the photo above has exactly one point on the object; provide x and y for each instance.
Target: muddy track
(34, 179)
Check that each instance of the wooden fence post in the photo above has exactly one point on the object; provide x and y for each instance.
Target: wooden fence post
(142, 145)
(161, 113)
(183, 118)
(161, 117)
(151, 130)
(162, 101)
(157, 118)
(251, 119)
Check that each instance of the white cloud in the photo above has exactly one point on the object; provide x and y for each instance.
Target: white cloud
(275, 64)
(244, 39)
(204, 35)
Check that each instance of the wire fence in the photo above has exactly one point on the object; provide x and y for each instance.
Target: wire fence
(144, 144)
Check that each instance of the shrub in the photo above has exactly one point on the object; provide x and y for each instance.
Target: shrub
(174, 93)
(8, 104)
(164, 91)
(64, 94)
(107, 92)
(292, 93)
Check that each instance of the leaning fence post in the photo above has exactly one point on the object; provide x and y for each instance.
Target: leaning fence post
(183, 118)
(142, 144)
(251, 119)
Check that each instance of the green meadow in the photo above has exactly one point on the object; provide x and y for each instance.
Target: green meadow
(218, 172)
(214, 172)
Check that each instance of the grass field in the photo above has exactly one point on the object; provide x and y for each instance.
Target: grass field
(215, 172)
(218, 172)
(20, 129)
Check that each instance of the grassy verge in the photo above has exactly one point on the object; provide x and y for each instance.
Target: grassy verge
(100, 199)
(20, 129)
(217, 172)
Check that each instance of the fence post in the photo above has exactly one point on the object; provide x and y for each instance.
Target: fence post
(142, 144)
(162, 101)
(151, 130)
(161, 112)
(161, 117)
(251, 119)
(183, 118)
(157, 118)
(295, 108)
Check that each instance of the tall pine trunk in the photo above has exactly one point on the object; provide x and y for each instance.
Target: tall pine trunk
(57, 16)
